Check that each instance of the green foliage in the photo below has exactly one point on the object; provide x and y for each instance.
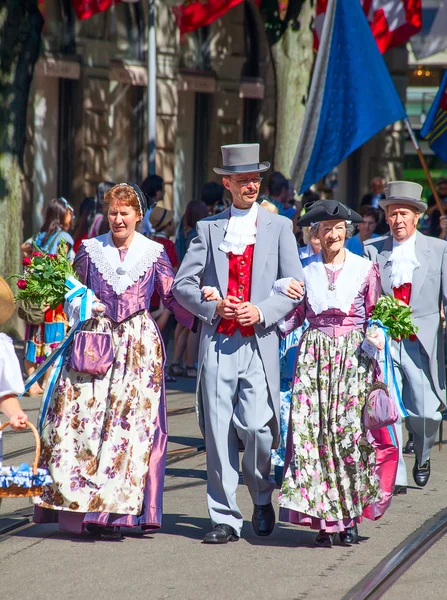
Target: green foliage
(43, 281)
(396, 315)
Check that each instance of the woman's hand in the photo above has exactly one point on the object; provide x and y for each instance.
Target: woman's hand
(210, 293)
(18, 420)
(98, 308)
(295, 289)
(376, 337)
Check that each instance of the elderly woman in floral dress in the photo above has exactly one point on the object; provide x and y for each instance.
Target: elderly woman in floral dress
(331, 476)
(104, 437)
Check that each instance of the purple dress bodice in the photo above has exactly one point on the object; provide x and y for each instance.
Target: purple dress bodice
(119, 307)
(333, 322)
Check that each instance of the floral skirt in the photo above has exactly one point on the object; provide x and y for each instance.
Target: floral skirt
(330, 476)
(98, 433)
(42, 339)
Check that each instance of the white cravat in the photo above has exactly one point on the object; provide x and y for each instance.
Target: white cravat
(241, 230)
(403, 261)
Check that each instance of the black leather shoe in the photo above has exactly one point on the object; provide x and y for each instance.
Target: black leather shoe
(399, 490)
(324, 540)
(421, 474)
(221, 534)
(263, 519)
(349, 536)
(409, 446)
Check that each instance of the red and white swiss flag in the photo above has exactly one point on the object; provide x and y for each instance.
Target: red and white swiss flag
(392, 22)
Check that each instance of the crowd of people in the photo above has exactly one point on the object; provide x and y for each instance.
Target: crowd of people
(266, 303)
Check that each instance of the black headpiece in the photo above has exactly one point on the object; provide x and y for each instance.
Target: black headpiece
(143, 200)
(329, 210)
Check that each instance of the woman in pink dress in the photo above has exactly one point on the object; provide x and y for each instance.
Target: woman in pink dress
(104, 438)
(335, 471)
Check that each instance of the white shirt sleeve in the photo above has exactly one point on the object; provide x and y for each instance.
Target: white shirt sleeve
(11, 381)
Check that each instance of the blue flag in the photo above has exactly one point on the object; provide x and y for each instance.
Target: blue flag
(352, 96)
(435, 126)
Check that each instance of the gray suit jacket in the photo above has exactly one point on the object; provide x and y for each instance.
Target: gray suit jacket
(275, 256)
(428, 291)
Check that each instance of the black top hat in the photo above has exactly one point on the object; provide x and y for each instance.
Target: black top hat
(329, 210)
(241, 158)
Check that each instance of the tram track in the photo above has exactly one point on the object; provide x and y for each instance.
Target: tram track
(380, 579)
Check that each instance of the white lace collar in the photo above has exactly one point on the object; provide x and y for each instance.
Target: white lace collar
(241, 230)
(403, 261)
(141, 255)
(347, 287)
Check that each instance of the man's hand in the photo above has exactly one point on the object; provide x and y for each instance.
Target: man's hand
(226, 308)
(247, 314)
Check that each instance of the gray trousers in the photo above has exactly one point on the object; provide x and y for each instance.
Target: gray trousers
(236, 405)
(420, 399)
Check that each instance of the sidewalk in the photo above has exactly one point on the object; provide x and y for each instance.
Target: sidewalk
(40, 562)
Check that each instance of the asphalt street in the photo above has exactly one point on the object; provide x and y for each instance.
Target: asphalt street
(39, 562)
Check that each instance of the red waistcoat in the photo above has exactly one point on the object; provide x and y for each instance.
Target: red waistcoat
(239, 285)
(403, 292)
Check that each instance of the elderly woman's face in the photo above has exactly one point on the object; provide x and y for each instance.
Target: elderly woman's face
(332, 235)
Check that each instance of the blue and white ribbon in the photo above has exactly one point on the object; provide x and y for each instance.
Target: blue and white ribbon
(389, 368)
(85, 296)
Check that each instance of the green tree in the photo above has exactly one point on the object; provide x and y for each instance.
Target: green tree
(290, 36)
(20, 34)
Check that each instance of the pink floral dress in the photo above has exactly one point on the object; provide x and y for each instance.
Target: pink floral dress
(330, 475)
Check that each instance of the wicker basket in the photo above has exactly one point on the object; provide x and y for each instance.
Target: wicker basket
(15, 491)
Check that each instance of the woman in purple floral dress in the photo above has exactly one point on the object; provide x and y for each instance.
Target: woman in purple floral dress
(104, 438)
(331, 479)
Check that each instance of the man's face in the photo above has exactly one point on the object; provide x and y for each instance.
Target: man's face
(244, 188)
(366, 229)
(402, 221)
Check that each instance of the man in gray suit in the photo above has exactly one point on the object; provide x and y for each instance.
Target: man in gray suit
(413, 268)
(239, 252)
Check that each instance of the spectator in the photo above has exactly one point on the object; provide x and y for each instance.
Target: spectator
(377, 193)
(366, 230)
(186, 343)
(278, 191)
(100, 225)
(435, 229)
(212, 196)
(43, 334)
(195, 211)
(154, 188)
(87, 214)
(289, 208)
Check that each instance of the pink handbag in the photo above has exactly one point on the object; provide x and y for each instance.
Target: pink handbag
(92, 353)
(380, 409)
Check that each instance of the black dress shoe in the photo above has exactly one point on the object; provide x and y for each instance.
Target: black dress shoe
(104, 532)
(409, 446)
(263, 519)
(399, 490)
(349, 536)
(221, 534)
(421, 474)
(324, 540)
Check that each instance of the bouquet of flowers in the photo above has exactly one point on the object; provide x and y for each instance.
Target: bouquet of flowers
(396, 315)
(43, 281)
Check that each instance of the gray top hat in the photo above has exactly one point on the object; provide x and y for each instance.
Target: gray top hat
(241, 158)
(404, 192)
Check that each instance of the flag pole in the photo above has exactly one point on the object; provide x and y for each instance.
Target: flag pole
(424, 166)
